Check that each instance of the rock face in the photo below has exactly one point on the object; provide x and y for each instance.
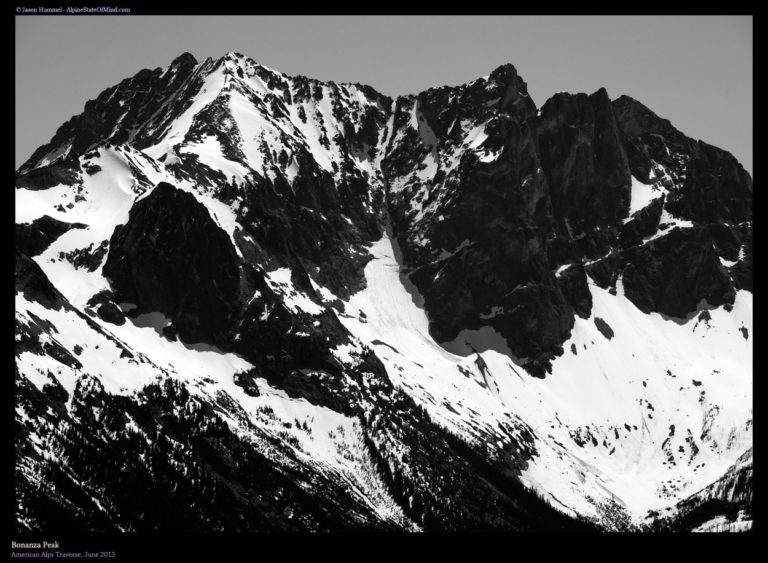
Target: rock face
(673, 273)
(46, 176)
(743, 271)
(708, 183)
(172, 258)
(644, 223)
(32, 282)
(32, 238)
(485, 205)
(472, 223)
(132, 104)
(573, 285)
(212, 315)
(584, 161)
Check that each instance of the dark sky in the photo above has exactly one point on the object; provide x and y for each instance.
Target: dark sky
(695, 71)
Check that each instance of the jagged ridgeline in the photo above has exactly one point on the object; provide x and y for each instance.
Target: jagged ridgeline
(247, 301)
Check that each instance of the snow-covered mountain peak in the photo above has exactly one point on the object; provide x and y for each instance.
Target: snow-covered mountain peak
(419, 308)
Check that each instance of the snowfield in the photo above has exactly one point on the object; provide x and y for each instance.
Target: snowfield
(627, 392)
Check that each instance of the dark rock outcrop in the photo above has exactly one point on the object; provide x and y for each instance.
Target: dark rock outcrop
(584, 161)
(32, 282)
(33, 238)
(706, 183)
(644, 223)
(673, 273)
(573, 284)
(716, 188)
(743, 272)
(64, 172)
(171, 257)
(303, 224)
(727, 239)
(604, 328)
(670, 275)
(104, 306)
(491, 217)
(556, 192)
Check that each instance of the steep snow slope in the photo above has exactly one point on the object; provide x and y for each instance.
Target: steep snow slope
(641, 419)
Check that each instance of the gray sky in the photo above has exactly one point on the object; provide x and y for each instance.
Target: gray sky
(695, 71)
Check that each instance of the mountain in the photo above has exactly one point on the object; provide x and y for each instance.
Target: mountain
(247, 301)
(725, 505)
